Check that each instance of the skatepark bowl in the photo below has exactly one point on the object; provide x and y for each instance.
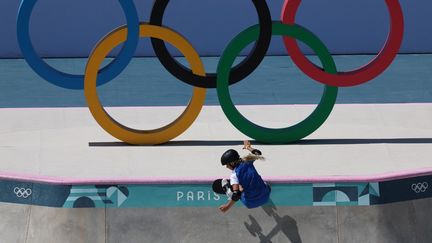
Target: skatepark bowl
(364, 176)
(387, 208)
(345, 164)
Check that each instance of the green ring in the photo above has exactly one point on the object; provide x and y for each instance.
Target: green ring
(275, 135)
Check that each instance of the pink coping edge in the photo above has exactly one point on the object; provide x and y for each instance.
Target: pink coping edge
(206, 180)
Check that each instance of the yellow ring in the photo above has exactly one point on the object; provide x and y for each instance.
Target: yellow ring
(126, 134)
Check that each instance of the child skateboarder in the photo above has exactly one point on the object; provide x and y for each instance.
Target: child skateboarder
(245, 183)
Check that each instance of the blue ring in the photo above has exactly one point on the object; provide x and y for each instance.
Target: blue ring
(71, 81)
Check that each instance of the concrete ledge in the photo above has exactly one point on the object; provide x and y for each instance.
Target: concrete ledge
(329, 191)
(356, 141)
(205, 180)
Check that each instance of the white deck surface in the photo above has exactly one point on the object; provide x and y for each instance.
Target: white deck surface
(355, 140)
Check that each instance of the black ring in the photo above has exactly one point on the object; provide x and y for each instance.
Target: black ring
(239, 72)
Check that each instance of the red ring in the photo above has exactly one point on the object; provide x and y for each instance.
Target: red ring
(355, 77)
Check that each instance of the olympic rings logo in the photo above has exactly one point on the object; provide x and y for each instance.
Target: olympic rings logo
(22, 192)
(226, 74)
(419, 187)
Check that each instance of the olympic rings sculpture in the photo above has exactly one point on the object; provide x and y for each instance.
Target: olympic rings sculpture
(226, 75)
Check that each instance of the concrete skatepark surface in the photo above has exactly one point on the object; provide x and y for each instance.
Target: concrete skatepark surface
(388, 141)
(374, 130)
(356, 140)
(399, 222)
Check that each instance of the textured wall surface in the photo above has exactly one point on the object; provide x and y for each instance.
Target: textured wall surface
(64, 28)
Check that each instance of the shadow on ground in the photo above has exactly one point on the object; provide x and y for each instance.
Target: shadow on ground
(284, 224)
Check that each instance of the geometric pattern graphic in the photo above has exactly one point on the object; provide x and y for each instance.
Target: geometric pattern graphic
(345, 194)
(96, 196)
(202, 195)
(369, 195)
(334, 194)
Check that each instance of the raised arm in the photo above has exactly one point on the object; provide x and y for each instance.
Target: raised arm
(247, 145)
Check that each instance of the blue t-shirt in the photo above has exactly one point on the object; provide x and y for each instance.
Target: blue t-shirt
(255, 192)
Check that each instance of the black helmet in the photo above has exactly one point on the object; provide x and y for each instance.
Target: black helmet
(229, 156)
